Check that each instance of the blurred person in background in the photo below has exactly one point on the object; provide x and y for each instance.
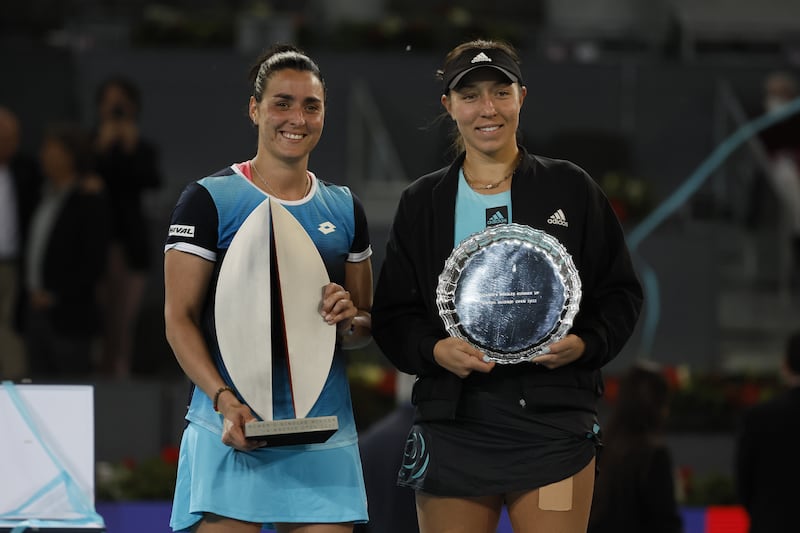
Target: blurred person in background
(392, 508)
(20, 184)
(635, 488)
(128, 164)
(65, 258)
(767, 460)
(782, 143)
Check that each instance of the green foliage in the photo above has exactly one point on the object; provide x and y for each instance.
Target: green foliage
(710, 489)
(630, 196)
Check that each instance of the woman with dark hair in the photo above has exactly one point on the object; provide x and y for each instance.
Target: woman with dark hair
(65, 258)
(128, 165)
(487, 435)
(227, 483)
(635, 488)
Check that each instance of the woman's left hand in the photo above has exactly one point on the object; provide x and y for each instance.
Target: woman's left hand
(337, 307)
(561, 353)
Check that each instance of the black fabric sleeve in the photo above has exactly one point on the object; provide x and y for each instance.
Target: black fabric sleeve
(612, 295)
(361, 231)
(194, 219)
(400, 323)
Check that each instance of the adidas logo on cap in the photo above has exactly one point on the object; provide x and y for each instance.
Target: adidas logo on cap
(481, 58)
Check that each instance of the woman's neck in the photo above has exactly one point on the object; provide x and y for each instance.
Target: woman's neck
(486, 172)
(277, 178)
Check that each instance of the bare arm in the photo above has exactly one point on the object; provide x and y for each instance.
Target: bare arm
(351, 304)
(186, 280)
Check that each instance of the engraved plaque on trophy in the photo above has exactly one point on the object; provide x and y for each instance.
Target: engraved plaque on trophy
(509, 290)
(243, 313)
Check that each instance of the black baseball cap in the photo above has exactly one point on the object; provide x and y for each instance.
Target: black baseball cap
(474, 58)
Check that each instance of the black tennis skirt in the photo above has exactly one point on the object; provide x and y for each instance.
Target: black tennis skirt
(497, 444)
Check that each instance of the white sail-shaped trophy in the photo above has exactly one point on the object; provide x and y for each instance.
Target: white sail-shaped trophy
(244, 322)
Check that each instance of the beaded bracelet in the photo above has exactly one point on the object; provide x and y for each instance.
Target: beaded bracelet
(216, 396)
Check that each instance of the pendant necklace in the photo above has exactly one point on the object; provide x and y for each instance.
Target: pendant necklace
(479, 186)
(262, 180)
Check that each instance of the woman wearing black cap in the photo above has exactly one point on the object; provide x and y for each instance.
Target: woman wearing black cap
(486, 435)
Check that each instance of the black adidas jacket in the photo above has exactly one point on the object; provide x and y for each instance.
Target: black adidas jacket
(405, 319)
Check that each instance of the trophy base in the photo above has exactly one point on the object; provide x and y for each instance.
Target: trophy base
(292, 431)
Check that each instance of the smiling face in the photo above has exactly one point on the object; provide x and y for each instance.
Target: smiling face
(486, 107)
(290, 115)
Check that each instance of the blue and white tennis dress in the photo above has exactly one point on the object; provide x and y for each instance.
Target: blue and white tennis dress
(313, 483)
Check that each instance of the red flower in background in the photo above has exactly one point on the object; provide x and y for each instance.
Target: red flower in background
(672, 377)
(685, 481)
(170, 454)
(749, 394)
(620, 208)
(611, 384)
(387, 384)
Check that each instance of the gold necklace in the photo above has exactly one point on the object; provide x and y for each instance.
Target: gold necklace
(478, 186)
(258, 174)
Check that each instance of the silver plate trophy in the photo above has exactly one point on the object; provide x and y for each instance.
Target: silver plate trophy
(243, 310)
(509, 290)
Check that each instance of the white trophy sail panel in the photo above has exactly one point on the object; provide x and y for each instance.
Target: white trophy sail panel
(243, 314)
(310, 340)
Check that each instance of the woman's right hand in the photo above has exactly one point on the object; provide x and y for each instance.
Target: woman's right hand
(460, 357)
(235, 416)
